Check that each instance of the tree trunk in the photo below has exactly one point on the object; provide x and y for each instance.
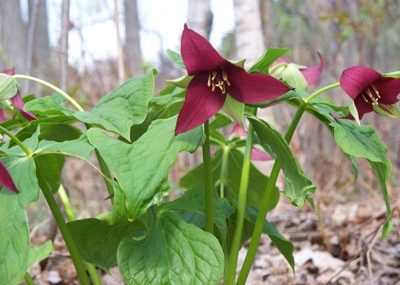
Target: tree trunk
(200, 17)
(13, 35)
(248, 30)
(65, 24)
(132, 38)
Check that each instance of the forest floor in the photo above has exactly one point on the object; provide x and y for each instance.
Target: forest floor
(340, 243)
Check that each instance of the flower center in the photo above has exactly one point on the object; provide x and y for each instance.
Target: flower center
(218, 79)
(371, 95)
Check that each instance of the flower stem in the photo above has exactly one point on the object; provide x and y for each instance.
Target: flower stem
(69, 242)
(208, 183)
(322, 90)
(16, 140)
(241, 209)
(51, 86)
(395, 74)
(28, 279)
(224, 171)
(263, 208)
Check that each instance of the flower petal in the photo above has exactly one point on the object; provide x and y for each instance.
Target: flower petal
(259, 155)
(19, 104)
(355, 79)
(197, 53)
(2, 117)
(362, 107)
(251, 88)
(6, 180)
(389, 89)
(10, 71)
(312, 74)
(200, 104)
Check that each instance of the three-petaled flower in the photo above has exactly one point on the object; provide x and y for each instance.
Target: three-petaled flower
(214, 78)
(368, 88)
(17, 102)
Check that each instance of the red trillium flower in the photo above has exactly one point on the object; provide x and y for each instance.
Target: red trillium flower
(5, 179)
(368, 88)
(214, 78)
(17, 102)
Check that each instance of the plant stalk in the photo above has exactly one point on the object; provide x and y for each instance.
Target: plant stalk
(16, 140)
(263, 208)
(208, 183)
(241, 209)
(224, 171)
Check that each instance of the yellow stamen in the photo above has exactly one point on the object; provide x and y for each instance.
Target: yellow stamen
(376, 91)
(209, 80)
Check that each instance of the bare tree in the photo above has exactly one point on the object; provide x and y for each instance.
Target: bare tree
(200, 16)
(121, 62)
(132, 37)
(13, 34)
(65, 24)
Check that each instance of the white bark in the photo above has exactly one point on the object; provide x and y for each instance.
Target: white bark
(200, 17)
(248, 30)
(65, 24)
(132, 37)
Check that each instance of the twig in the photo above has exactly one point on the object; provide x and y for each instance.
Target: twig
(368, 253)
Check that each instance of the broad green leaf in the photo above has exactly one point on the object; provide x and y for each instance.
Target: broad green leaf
(8, 87)
(176, 58)
(234, 108)
(284, 246)
(48, 105)
(97, 240)
(23, 172)
(31, 142)
(123, 107)
(269, 56)
(77, 148)
(298, 187)
(17, 255)
(363, 141)
(191, 208)
(142, 167)
(172, 252)
(48, 171)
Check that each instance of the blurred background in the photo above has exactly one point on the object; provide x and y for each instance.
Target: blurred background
(90, 47)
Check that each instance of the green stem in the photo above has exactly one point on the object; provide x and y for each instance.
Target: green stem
(224, 171)
(69, 242)
(208, 181)
(262, 211)
(395, 74)
(16, 140)
(322, 90)
(28, 279)
(241, 209)
(51, 86)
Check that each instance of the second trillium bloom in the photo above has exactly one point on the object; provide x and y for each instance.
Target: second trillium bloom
(214, 78)
(368, 88)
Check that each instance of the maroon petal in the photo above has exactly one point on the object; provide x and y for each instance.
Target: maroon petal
(2, 117)
(200, 104)
(389, 89)
(355, 79)
(259, 155)
(362, 107)
(312, 74)
(6, 180)
(10, 71)
(197, 53)
(251, 88)
(19, 104)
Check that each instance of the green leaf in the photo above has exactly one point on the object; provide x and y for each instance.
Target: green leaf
(172, 252)
(363, 141)
(97, 240)
(191, 208)
(17, 255)
(176, 58)
(269, 56)
(8, 86)
(48, 105)
(293, 77)
(23, 172)
(298, 187)
(123, 107)
(142, 167)
(284, 246)
(234, 108)
(48, 171)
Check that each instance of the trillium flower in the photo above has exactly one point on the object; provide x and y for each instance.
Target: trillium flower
(368, 88)
(215, 78)
(17, 102)
(6, 180)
